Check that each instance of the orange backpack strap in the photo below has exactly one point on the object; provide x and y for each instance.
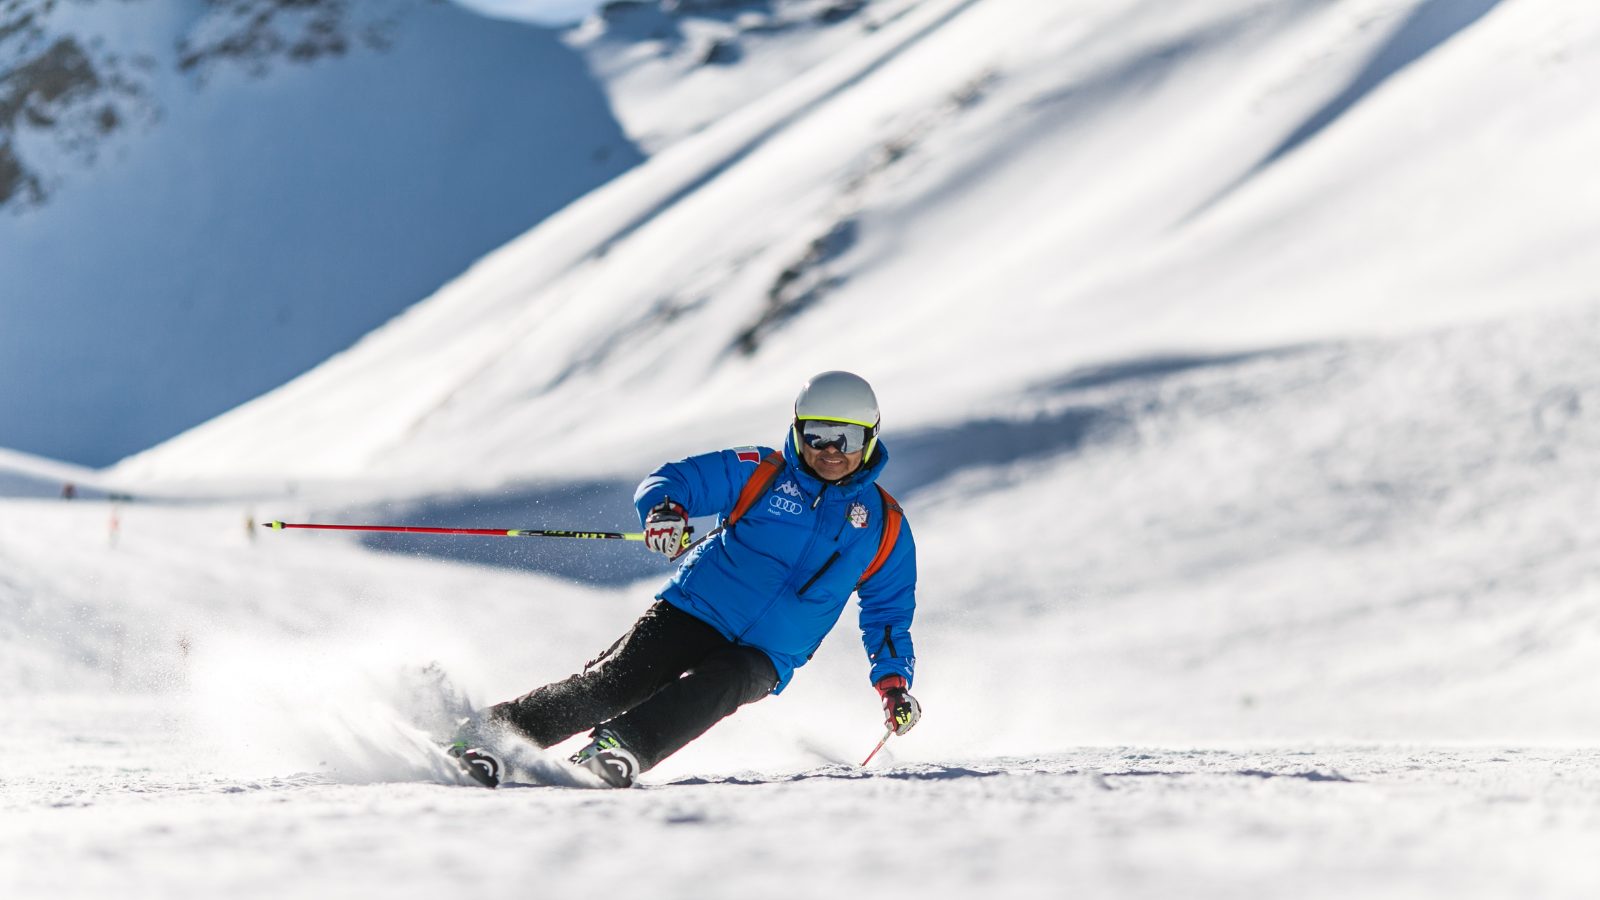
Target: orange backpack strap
(755, 486)
(892, 516)
(760, 481)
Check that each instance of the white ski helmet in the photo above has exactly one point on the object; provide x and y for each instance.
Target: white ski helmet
(839, 397)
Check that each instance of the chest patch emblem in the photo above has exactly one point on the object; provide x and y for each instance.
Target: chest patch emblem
(858, 515)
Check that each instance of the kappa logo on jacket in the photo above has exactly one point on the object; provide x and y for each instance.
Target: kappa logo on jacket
(792, 489)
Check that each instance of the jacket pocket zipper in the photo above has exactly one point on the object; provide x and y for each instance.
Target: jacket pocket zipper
(813, 579)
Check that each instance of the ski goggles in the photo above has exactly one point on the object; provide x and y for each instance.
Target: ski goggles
(819, 434)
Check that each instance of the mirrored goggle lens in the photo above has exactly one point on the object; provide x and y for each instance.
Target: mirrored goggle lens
(848, 438)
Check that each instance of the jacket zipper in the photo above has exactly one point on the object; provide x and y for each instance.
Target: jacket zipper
(812, 542)
(813, 579)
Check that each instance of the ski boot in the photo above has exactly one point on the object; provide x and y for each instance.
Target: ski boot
(475, 758)
(606, 757)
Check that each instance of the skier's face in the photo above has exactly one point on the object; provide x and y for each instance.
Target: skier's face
(830, 462)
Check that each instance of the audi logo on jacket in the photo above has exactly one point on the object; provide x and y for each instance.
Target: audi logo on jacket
(780, 577)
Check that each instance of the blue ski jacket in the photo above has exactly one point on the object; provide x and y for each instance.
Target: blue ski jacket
(779, 579)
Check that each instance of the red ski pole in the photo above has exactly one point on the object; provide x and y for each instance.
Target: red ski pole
(486, 532)
(886, 735)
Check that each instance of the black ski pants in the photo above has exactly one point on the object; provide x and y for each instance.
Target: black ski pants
(660, 686)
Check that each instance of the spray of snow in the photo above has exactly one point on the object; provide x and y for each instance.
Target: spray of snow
(357, 708)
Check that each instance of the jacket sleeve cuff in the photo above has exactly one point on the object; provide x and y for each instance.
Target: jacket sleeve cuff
(891, 668)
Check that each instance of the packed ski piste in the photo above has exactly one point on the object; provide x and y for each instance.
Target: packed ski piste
(799, 530)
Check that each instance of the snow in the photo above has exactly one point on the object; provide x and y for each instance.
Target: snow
(1131, 822)
(548, 12)
(26, 475)
(672, 73)
(1238, 367)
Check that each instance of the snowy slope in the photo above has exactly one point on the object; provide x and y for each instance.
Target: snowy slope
(1028, 187)
(1208, 473)
(25, 475)
(1374, 540)
(1138, 823)
(1182, 237)
(673, 69)
(1238, 363)
(209, 199)
(1227, 460)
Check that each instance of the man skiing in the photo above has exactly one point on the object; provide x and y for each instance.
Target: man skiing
(749, 604)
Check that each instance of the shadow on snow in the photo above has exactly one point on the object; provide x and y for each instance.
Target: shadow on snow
(1100, 402)
(846, 772)
(1429, 25)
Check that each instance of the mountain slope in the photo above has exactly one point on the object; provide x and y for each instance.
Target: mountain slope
(1206, 437)
(1204, 441)
(1028, 189)
(204, 200)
